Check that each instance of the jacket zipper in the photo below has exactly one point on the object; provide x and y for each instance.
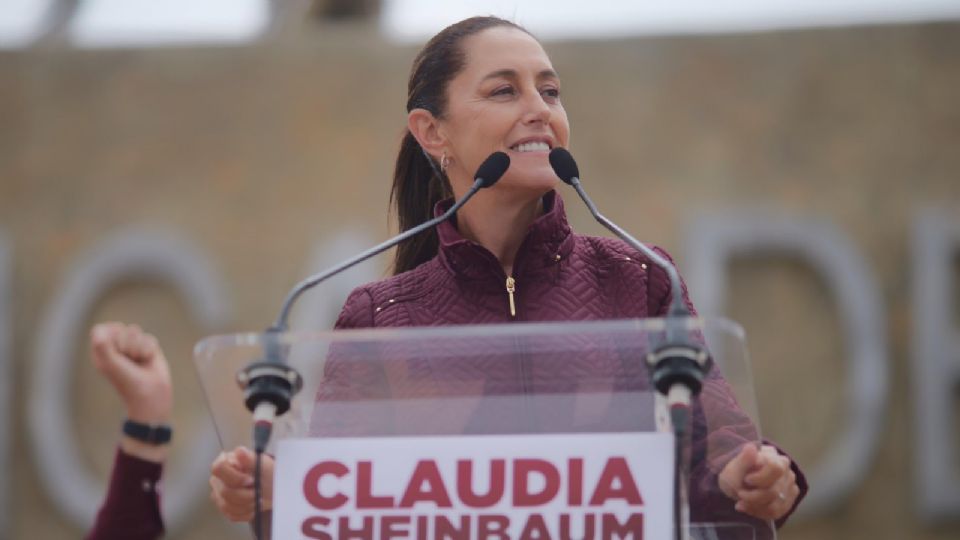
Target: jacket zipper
(511, 286)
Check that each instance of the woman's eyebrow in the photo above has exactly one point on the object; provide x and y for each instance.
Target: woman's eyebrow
(548, 74)
(512, 74)
(501, 73)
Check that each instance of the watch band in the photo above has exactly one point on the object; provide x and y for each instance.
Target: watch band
(150, 434)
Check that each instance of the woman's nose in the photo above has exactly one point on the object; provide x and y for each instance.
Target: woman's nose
(536, 110)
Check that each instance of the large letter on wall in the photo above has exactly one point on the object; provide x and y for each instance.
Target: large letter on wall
(712, 241)
(131, 254)
(936, 366)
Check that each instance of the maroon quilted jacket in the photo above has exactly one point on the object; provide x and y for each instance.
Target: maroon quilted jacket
(558, 276)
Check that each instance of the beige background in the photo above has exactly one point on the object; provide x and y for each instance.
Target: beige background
(258, 153)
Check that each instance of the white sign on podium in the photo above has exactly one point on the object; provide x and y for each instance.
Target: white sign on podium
(497, 487)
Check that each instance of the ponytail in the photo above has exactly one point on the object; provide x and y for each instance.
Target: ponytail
(417, 188)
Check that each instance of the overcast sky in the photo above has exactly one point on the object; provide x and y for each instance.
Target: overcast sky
(113, 23)
(414, 20)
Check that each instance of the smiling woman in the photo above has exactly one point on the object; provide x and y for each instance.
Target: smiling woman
(486, 85)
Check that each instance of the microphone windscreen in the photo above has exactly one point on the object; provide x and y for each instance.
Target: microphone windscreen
(492, 168)
(564, 165)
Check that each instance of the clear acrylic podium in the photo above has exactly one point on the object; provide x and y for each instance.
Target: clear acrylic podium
(524, 378)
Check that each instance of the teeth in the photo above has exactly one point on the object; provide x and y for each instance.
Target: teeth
(532, 147)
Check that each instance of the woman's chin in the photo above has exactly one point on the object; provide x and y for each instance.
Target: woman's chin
(539, 177)
(526, 188)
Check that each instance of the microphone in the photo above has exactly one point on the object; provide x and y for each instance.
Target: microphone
(678, 366)
(270, 384)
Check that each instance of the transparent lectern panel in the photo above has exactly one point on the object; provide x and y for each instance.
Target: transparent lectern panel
(583, 377)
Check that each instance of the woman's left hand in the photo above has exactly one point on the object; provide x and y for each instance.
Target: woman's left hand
(761, 481)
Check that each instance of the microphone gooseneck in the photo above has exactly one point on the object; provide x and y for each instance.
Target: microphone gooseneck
(566, 168)
(489, 172)
(688, 362)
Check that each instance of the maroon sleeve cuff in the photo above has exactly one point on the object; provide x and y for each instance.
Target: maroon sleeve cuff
(801, 483)
(131, 508)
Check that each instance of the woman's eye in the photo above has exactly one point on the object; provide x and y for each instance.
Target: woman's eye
(503, 91)
(551, 93)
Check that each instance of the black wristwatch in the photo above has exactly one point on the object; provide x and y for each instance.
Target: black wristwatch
(151, 434)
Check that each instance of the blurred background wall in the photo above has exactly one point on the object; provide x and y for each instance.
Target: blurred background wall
(272, 155)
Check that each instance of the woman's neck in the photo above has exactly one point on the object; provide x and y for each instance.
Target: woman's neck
(499, 223)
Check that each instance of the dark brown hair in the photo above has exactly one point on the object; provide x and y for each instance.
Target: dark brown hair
(418, 182)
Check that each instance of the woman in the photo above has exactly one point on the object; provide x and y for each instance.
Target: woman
(479, 86)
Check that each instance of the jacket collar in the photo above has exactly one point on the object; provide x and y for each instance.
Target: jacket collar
(548, 243)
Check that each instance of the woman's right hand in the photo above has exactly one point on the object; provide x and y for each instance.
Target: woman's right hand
(231, 483)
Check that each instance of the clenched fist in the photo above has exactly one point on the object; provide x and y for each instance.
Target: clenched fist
(134, 364)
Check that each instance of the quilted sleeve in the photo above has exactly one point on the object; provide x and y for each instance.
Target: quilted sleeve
(132, 505)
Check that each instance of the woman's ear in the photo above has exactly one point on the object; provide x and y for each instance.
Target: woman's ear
(425, 128)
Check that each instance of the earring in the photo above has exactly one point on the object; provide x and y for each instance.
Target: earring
(444, 163)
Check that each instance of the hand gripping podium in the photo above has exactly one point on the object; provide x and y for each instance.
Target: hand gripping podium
(527, 430)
